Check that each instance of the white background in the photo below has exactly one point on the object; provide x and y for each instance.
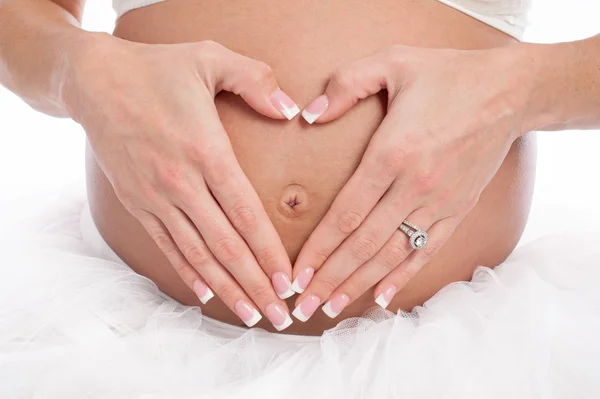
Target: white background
(39, 154)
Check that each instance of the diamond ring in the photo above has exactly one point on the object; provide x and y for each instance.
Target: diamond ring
(417, 237)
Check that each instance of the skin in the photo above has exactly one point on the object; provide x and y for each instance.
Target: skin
(565, 71)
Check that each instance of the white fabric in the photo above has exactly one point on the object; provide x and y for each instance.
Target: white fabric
(76, 323)
(509, 16)
(123, 6)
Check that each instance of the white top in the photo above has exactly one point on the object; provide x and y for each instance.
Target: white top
(509, 16)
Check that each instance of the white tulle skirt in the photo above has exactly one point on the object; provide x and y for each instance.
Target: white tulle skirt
(77, 323)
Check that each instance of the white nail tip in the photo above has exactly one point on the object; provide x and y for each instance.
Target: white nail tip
(328, 311)
(288, 321)
(254, 319)
(207, 296)
(297, 313)
(296, 287)
(290, 292)
(309, 117)
(289, 113)
(381, 301)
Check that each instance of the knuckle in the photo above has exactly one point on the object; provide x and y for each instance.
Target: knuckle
(198, 153)
(319, 256)
(328, 284)
(425, 181)
(259, 293)
(429, 250)
(267, 259)
(407, 273)
(195, 254)
(208, 49)
(243, 219)
(349, 221)
(393, 161)
(343, 78)
(398, 57)
(227, 292)
(171, 177)
(228, 250)
(179, 267)
(215, 164)
(261, 73)
(163, 241)
(394, 254)
(364, 247)
(354, 288)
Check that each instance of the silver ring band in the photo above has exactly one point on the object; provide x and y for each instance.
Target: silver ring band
(417, 237)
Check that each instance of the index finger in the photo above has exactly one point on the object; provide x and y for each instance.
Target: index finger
(240, 202)
(348, 211)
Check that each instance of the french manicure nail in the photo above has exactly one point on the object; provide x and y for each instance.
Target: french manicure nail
(282, 285)
(335, 305)
(302, 280)
(306, 308)
(278, 316)
(315, 109)
(385, 297)
(284, 104)
(204, 293)
(247, 313)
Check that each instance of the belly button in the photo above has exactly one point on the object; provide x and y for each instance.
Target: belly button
(294, 201)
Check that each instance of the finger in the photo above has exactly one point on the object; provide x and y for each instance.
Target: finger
(362, 249)
(244, 209)
(379, 168)
(231, 251)
(349, 84)
(238, 199)
(348, 211)
(365, 277)
(253, 80)
(163, 239)
(397, 279)
(198, 254)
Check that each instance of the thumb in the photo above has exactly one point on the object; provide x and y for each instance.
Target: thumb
(352, 83)
(253, 80)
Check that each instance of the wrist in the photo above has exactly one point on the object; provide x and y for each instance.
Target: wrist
(76, 53)
(563, 75)
(541, 85)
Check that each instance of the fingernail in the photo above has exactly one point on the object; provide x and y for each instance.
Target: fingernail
(278, 316)
(284, 104)
(335, 305)
(247, 313)
(315, 109)
(202, 291)
(302, 280)
(282, 285)
(306, 308)
(385, 297)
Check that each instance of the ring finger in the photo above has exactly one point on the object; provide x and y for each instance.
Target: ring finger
(397, 250)
(358, 249)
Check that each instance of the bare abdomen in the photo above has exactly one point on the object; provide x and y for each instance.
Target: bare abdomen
(294, 163)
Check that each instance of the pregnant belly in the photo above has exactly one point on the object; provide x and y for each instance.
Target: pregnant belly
(297, 169)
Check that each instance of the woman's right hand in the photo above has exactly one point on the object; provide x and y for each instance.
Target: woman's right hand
(149, 114)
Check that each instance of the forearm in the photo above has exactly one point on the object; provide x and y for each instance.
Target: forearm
(36, 37)
(566, 85)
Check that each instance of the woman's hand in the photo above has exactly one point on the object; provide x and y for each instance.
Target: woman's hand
(150, 117)
(452, 117)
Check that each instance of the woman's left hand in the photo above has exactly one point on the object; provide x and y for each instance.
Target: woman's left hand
(452, 117)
